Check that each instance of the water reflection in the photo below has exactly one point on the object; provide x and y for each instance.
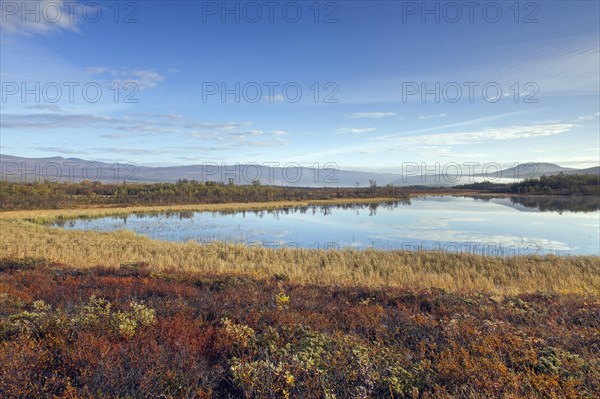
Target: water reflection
(483, 224)
(560, 204)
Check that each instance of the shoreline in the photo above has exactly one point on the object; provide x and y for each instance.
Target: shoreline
(95, 211)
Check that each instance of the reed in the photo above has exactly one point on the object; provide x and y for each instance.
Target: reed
(24, 237)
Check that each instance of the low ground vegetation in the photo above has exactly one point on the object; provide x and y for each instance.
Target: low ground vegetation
(103, 332)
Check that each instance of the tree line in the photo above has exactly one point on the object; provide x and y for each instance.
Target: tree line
(54, 195)
(559, 184)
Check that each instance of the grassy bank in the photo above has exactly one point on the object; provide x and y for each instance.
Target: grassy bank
(73, 332)
(21, 238)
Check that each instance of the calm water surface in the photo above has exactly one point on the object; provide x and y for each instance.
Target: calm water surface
(498, 226)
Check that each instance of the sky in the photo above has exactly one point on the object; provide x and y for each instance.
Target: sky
(367, 85)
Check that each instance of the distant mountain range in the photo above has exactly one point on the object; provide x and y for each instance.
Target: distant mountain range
(493, 173)
(15, 168)
(538, 169)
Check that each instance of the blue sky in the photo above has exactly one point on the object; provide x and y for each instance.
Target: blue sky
(361, 68)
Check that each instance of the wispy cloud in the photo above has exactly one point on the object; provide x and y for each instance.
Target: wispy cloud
(425, 117)
(159, 116)
(182, 153)
(143, 78)
(373, 115)
(437, 145)
(136, 151)
(60, 150)
(355, 130)
(565, 67)
(487, 135)
(131, 124)
(58, 16)
(46, 107)
(146, 124)
(585, 118)
(468, 122)
(277, 98)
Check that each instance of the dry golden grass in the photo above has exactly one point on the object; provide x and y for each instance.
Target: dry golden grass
(23, 236)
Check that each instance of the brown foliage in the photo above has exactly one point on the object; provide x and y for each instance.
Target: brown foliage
(233, 336)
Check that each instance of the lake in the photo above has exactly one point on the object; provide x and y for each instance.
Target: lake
(483, 225)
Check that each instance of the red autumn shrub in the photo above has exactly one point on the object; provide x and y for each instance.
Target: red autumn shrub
(112, 333)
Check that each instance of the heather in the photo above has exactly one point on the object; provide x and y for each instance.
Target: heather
(137, 332)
